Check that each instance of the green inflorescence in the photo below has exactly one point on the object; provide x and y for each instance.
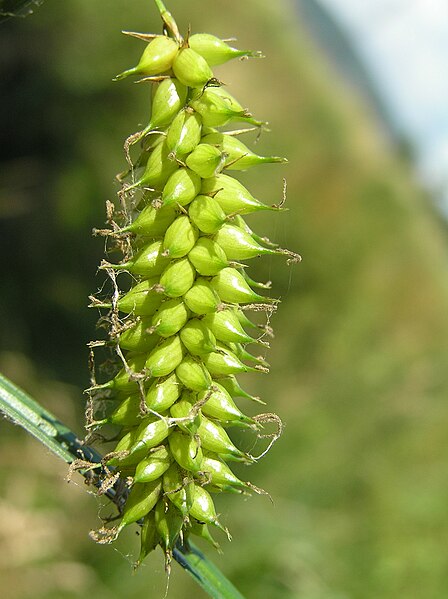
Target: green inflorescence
(180, 332)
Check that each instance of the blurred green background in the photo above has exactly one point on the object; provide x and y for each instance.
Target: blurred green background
(359, 478)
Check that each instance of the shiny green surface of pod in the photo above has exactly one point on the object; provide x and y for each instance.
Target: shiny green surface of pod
(177, 278)
(147, 262)
(153, 466)
(191, 69)
(231, 287)
(165, 357)
(197, 337)
(159, 168)
(207, 257)
(141, 500)
(178, 488)
(170, 96)
(202, 298)
(186, 451)
(214, 438)
(163, 393)
(169, 318)
(180, 238)
(181, 188)
(138, 335)
(226, 327)
(142, 299)
(223, 363)
(193, 375)
(152, 222)
(221, 406)
(157, 57)
(238, 155)
(214, 50)
(206, 160)
(239, 245)
(231, 195)
(207, 214)
(184, 133)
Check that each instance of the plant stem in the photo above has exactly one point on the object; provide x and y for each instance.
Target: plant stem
(21, 409)
(169, 21)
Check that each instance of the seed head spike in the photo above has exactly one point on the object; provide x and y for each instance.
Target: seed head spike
(179, 329)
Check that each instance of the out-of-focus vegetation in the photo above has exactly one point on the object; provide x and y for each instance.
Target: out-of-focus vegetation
(359, 360)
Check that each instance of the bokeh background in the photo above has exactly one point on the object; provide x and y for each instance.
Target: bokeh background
(359, 362)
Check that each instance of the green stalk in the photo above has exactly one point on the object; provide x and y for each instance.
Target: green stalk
(21, 409)
(169, 21)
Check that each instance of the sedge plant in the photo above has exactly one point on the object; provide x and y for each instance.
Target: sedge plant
(180, 330)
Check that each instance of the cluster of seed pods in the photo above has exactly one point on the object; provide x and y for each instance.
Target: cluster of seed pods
(180, 331)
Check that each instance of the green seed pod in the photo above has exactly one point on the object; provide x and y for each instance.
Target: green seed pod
(157, 58)
(202, 531)
(193, 375)
(240, 222)
(221, 406)
(202, 298)
(207, 257)
(141, 500)
(123, 381)
(214, 50)
(226, 327)
(231, 287)
(178, 489)
(148, 262)
(127, 412)
(149, 537)
(206, 160)
(197, 338)
(183, 409)
(139, 337)
(153, 466)
(170, 318)
(124, 444)
(180, 237)
(239, 245)
(165, 357)
(231, 385)
(169, 98)
(218, 108)
(181, 188)
(238, 155)
(159, 168)
(207, 214)
(243, 320)
(163, 393)
(177, 278)
(141, 300)
(219, 473)
(231, 195)
(169, 521)
(151, 432)
(242, 353)
(152, 222)
(184, 133)
(203, 508)
(214, 438)
(186, 451)
(224, 362)
(191, 69)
